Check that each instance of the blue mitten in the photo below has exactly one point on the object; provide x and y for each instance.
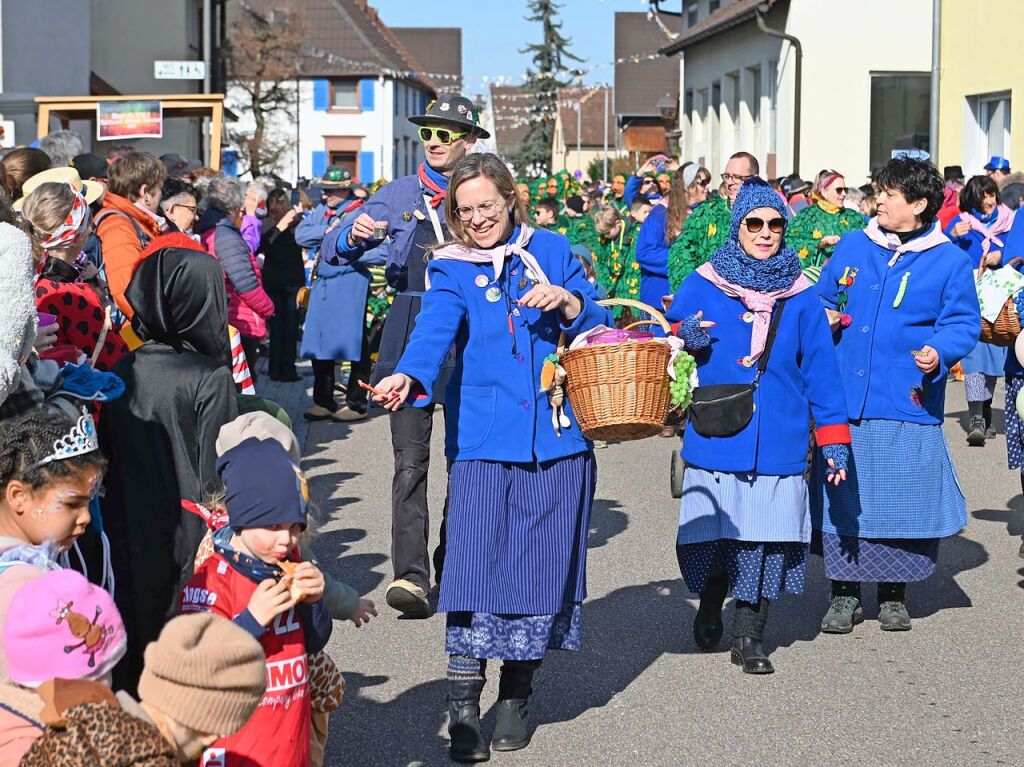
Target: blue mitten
(840, 455)
(693, 336)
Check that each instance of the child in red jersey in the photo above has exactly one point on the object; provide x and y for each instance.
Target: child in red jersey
(244, 581)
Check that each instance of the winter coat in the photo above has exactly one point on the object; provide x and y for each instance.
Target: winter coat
(17, 308)
(160, 438)
(248, 303)
(336, 316)
(493, 411)
(925, 298)
(652, 255)
(122, 249)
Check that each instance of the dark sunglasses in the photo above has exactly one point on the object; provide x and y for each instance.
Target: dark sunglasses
(444, 135)
(755, 225)
(841, 189)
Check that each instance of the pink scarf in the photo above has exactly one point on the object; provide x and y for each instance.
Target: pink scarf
(761, 304)
(890, 241)
(496, 256)
(991, 232)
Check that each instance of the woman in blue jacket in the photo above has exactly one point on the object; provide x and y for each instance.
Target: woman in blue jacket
(914, 313)
(980, 231)
(744, 522)
(658, 232)
(521, 484)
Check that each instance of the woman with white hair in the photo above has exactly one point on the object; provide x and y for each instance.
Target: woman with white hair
(249, 306)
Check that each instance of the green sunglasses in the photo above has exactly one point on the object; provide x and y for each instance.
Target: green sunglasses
(444, 135)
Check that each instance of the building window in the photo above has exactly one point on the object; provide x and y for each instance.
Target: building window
(397, 95)
(899, 114)
(344, 94)
(345, 160)
(691, 15)
(733, 85)
(714, 5)
(986, 129)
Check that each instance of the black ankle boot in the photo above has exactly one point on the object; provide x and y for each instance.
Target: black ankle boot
(467, 742)
(512, 728)
(748, 653)
(707, 624)
(986, 413)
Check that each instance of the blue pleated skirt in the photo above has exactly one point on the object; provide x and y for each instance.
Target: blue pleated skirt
(515, 562)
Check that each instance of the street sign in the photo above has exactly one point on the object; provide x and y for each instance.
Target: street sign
(179, 70)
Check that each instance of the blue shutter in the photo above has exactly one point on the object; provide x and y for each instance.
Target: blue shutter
(366, 166)
(229, 162)
(321, 95)
(366, 92)
(319, 163)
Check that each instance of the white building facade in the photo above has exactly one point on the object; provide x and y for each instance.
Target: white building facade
(865, 83)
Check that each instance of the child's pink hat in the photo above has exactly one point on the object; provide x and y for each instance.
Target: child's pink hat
(62, 626)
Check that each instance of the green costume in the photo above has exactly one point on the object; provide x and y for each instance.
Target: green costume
(820, 219)
(617, 269)
(704, 232)
(580, 231)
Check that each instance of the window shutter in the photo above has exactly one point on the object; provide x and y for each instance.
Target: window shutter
(321, 95)
(319, 163)
(366, 93)
(229, 162)
(366, 166)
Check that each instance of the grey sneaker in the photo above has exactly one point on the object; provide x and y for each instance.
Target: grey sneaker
(843, 614)
(893, 616)
(976, 432)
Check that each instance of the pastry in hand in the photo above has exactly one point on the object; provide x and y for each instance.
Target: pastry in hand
(288, 568)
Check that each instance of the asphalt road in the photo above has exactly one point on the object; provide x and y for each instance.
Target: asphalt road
(949, 692)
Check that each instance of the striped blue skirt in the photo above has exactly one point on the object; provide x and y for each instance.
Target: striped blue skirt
(516, 558)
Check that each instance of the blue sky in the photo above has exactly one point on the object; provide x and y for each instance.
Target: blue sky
(493, 32)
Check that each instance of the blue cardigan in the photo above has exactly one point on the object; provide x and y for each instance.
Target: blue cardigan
(800, 381)
(1014, 238)
(494, 408)
(939, 308)
(970, 243)
(652, 255)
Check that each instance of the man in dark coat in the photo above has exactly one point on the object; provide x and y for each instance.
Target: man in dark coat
(410, 210)
(160, 438)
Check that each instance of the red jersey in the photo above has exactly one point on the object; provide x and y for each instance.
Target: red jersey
(278, 733)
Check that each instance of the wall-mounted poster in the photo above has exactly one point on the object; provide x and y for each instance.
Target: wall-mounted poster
(129, 119)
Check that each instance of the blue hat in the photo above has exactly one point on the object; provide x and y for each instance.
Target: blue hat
(755, 193)
(998, 163)
(264, 487)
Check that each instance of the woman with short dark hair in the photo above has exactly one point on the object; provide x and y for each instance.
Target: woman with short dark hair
(522, 476)
(912, 312)
(980, 231)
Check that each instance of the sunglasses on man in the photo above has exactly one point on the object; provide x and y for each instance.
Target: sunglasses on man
(444, 136)
(755, 225)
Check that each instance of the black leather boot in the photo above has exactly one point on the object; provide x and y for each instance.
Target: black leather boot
(512, 728)
(467, 742)
(707, 624)
(747, 631)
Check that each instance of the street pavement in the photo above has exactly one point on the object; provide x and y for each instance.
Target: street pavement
(640, 692)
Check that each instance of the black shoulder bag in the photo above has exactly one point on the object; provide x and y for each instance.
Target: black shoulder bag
(722, 410)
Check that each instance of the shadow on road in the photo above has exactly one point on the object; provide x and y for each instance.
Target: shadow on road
(963, 418)
(606, 521)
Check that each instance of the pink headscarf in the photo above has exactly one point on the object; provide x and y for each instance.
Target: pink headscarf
(76, 222)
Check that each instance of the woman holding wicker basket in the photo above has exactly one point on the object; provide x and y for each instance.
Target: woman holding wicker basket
(522, 475)
(765, 367)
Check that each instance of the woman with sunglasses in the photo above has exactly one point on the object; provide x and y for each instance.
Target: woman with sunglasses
(522, 475)
(909, 296)
(815, 230)
(744, 521)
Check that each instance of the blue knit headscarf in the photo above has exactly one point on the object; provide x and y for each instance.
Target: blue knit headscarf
(771, 274)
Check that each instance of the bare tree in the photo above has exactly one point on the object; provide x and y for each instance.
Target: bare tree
(263, 60)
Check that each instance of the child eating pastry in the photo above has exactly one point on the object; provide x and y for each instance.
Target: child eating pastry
(245, 580)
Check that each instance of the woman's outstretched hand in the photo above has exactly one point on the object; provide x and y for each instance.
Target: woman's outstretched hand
(547, 298)
(393, 391)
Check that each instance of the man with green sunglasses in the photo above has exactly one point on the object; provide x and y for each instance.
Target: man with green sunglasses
(410, 212)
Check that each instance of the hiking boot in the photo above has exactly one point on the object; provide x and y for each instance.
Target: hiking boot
(843, 614)
(408, 598)
(976, 432)
(893, 616)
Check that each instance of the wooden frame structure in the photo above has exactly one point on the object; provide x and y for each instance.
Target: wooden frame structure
(68, 108)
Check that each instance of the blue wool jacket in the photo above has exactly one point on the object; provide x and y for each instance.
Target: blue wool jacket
(652, 255)
(400, 203)
(494, 409)
(1014, 238)
(800, 380)
(939, 308)
(970, 243)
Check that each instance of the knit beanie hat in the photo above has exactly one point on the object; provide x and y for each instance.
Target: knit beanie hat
(60, 625)
(261, 425)
(755, 193)
(205, 673)
(263, 486)
(575, 204)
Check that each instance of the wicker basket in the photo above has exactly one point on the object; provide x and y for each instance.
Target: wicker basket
(620, 392)
(1006, 328)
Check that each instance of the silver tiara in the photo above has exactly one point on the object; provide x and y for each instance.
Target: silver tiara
(79, 441)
